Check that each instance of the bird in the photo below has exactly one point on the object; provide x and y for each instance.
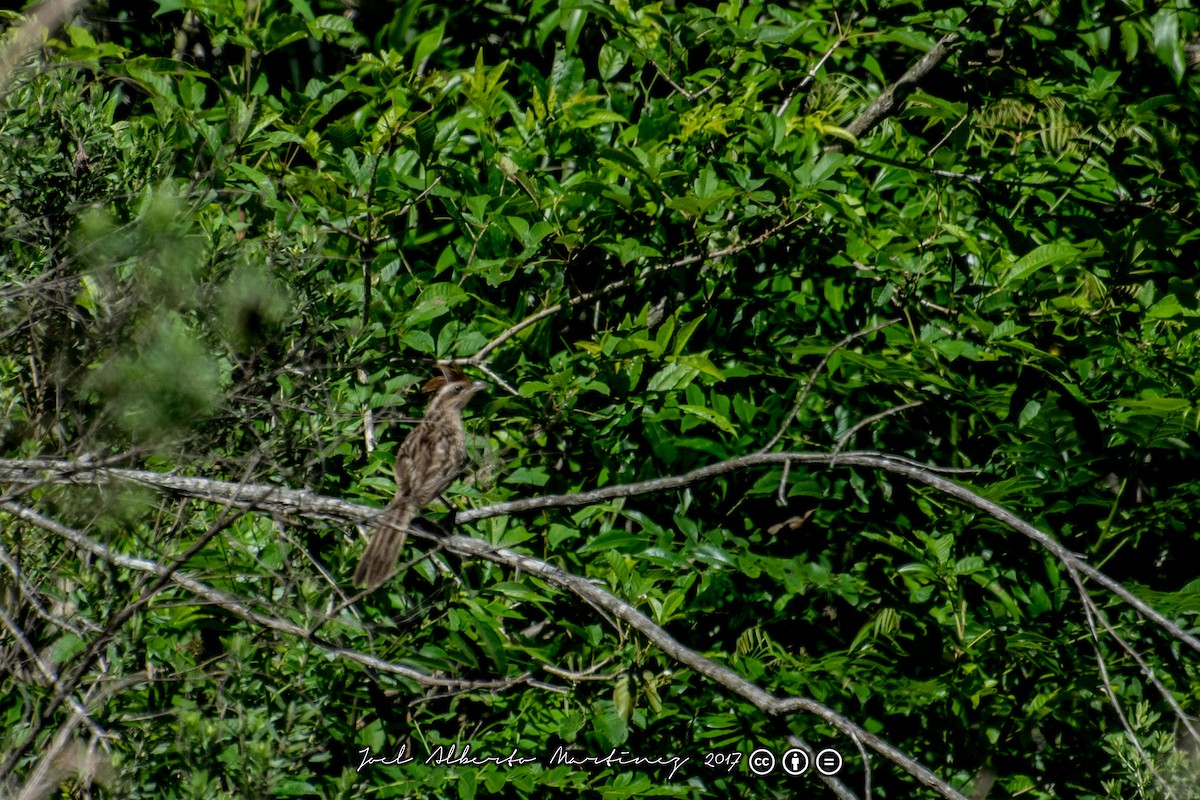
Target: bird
(429, 459)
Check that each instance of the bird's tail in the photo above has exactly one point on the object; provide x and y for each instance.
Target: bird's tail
(383, 551)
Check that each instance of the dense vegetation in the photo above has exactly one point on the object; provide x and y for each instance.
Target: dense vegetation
(844, 395)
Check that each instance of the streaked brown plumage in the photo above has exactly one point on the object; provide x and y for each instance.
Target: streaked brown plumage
(427, 462)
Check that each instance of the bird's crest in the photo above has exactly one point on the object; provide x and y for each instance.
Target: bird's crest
(449, 375)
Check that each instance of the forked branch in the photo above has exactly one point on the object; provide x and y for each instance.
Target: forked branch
(308, 504)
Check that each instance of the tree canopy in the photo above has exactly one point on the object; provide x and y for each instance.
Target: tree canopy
(843, 396)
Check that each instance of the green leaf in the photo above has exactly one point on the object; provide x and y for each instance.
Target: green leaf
(599, 117)
(623, 698)
(67, 647)
(615, 540)
(420, 341)
(1028, 413)
(530, 476)
(940, 547)
(611, 61)
(1166, 308)
(436, 300)
(468, 784)
(710, 416)
(426, 135)
(1040, 257)
(701, 364)
(609, 724)
(428, 44)
(282, 30)
(1130, 40)
(1163, 407)
(169, 6)
(969, 565)
(1168, 43)
(673, 377)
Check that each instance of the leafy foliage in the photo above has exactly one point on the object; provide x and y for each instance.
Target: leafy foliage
(236, 238)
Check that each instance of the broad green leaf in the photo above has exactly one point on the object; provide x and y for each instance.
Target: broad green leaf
(615, 540)
(612, 60)
(710, 416)
(1168, 44)
(1166, 308)
(1058, 253)
(700, 363)
(428, 44)
(672, 377)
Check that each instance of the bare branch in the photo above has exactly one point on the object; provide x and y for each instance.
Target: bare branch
(314, 506)
(469, 547)
(234, 605)
(736, 683)
(812, 73)
(1111, 693)
(503, 384)
(1166, 694)
(1096, 613)
(845, 437)
(591, 593)
(65, 685)
(588, 674)
(916, 472)
(47, 671)
(866, 768)
(889, 99)
(841, 790)
(30, 596)
(715, 255)
(966, 176)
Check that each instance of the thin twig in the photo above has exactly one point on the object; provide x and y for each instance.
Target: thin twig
(845, 437)
(841, 790)
(812, 379)
(715, 255)
(866, 768)
(1110, 692)
(691, 96)
(1166, 694)
(945, 138)
(812, 73)
(232, 604)
(781, 492)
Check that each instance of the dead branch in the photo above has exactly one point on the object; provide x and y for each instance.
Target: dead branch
(467, 547)
(889, 99)
(314, 506)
